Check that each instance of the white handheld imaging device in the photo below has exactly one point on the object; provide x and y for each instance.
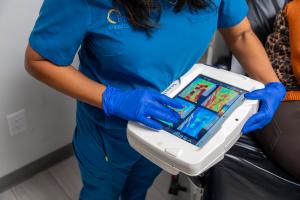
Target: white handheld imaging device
(213, 114)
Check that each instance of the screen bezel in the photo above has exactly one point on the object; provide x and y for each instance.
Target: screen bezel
(202, 138)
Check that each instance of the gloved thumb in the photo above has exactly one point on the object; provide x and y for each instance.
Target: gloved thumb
(255, 95)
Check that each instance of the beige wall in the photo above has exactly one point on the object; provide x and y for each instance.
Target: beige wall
(50, 114)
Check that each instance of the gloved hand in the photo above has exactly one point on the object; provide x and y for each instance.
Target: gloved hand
(140, 105)
(270, 97)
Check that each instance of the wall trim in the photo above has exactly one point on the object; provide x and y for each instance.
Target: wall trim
(34, 167)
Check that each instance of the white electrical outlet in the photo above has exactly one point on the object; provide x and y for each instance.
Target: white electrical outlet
(17, 122)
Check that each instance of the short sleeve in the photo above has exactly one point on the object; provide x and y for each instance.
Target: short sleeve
(60, 30)
(232, 12)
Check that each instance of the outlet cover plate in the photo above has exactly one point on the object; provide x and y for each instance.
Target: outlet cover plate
(17, 122)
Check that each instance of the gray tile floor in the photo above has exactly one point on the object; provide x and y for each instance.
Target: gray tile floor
(62, 182)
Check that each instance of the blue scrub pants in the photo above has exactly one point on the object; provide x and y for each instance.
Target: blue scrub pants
(124, 173)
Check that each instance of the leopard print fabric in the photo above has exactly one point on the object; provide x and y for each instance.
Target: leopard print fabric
(279, 52)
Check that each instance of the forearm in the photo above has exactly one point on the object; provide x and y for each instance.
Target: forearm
(250, 52)
(66, 79)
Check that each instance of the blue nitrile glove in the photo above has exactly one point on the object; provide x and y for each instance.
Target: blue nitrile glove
(140, 105)
(270, 97)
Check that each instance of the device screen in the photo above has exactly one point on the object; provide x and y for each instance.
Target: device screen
(205, 102)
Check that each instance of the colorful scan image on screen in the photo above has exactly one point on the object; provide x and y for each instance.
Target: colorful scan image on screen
(220, 100)
(186, 109)
(200, 119)
(199, 87)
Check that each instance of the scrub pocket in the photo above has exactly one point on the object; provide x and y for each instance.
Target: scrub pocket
(112, 122)
(94, 142)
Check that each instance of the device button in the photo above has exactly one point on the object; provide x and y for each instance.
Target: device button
(174, 151)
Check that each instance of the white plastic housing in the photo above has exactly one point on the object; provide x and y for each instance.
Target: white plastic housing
(176, 155)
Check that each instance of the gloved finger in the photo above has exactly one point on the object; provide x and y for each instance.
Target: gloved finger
(161, 115)
(168, 101)
(254, 127)
(151, 123)
(255, 120)
(164, 110)
(256, 94)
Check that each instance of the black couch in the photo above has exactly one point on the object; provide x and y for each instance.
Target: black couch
(246, 172)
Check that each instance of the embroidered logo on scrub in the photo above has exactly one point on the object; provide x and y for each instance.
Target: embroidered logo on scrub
(116, 19)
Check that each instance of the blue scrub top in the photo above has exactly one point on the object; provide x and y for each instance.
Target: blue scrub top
(114, 53)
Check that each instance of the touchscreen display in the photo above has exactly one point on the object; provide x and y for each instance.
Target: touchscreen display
(206, 102)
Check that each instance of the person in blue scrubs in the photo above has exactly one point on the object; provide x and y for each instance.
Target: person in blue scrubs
(123, 69)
